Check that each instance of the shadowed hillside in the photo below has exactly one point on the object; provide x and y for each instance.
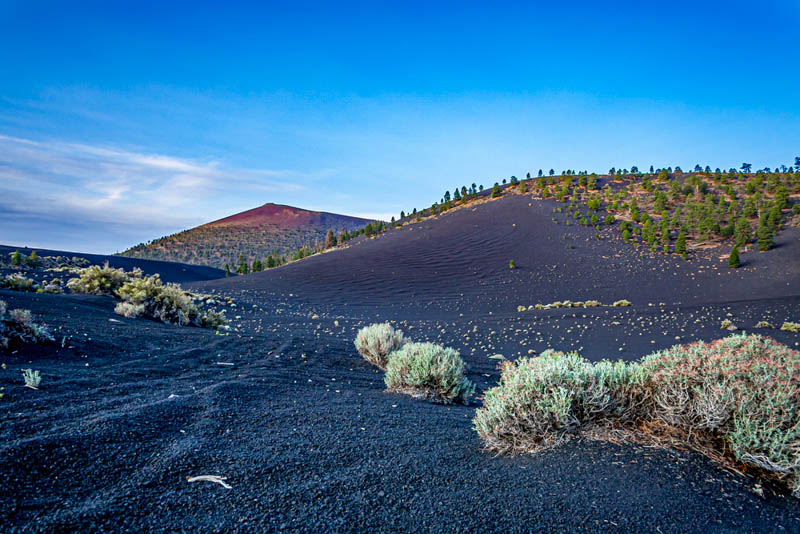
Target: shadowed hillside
(271, 229)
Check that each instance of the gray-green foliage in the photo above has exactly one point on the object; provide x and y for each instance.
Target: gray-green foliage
(742, 392)
(32, 378)
(428, 370)
(18, 325)
(168, 303)
(376, 341)
(540, 400)
(96, 280)
(17, 282)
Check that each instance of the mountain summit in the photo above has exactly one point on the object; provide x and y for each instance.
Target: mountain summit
(271, 229)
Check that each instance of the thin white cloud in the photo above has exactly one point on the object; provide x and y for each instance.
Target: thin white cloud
(81, 177)
(52, 180)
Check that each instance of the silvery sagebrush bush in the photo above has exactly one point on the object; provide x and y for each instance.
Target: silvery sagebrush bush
(428, 370)
(740, 394)
(376, 341)
(541, 399)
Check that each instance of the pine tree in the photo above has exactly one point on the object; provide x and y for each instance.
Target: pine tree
(16, 258)
(680, 244)
(33, 259)
(743, 232)
(495, 191)
(242, 267)
(330, 239)
(764, 235)
(733, 260)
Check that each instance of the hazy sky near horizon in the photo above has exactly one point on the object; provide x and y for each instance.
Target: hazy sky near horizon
(125, 121)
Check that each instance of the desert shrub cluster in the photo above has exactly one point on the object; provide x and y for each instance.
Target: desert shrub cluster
(573, 304)
(18, 260)
(738, 397)
(105, 280)
(18, 326)
(18, 282)
(418, 369)
(148, 296)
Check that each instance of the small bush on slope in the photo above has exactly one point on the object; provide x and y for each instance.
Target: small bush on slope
(428, 370)
(17, 282)
(376, 341)
(126, 309)
(740, 394)
(17, 325)
(104, 280)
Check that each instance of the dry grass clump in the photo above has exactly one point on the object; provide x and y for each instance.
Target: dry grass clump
(727, 325)
(376, 341)
(18, 282)
(789, 326)
(430, 371)
(18, 325)
(735, 398)
(95, 280)
(764, 324)
(571, 304)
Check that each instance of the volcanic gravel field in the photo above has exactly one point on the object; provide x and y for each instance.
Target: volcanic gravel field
(306, 436)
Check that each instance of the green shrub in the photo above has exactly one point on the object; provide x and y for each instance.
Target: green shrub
(540, 401)
(511, 264)
(18, 325)
(95, 280)
(428, 370)
(376, 341)
(17, 282)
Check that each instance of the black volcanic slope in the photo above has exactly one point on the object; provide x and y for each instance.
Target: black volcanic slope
(169, 271)
(302, 429)
(271, 229)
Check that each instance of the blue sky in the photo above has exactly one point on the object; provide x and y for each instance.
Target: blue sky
(124, 121)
